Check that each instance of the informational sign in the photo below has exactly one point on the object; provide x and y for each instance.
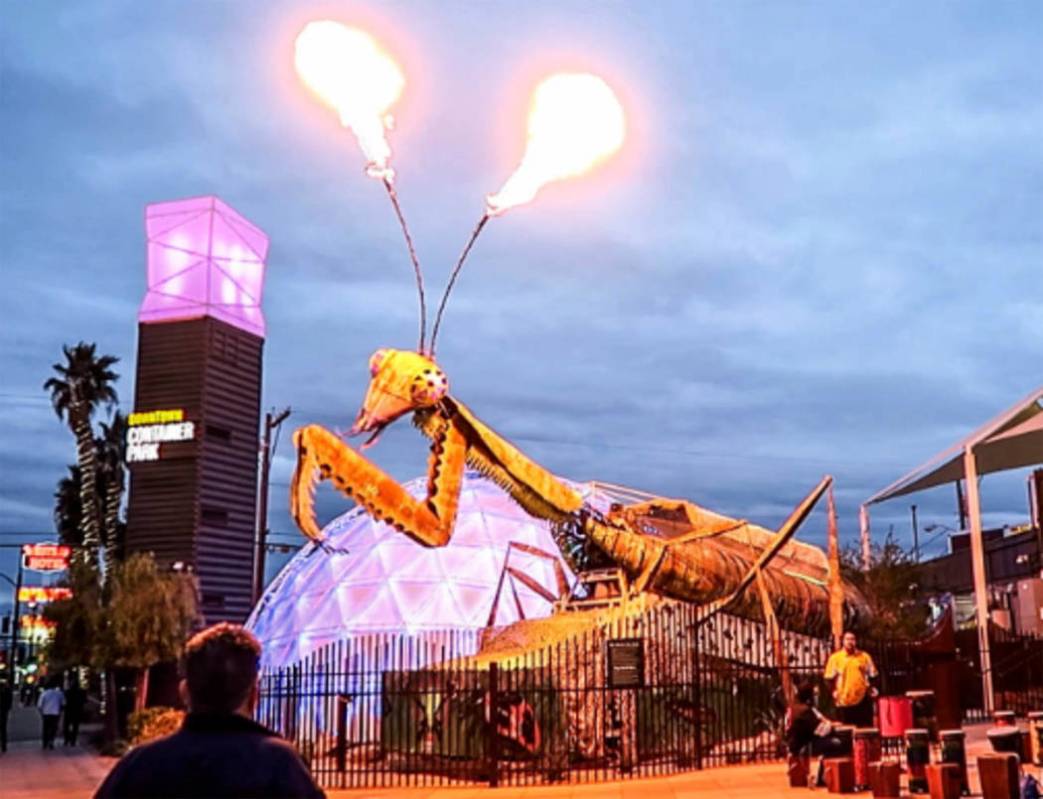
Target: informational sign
(40, 594)
(45, 557)
(626, 663)
(147, 431)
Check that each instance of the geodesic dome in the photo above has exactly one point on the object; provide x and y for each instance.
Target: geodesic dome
(370, 578)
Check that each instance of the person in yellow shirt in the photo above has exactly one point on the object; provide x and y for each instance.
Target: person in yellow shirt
(850, 671)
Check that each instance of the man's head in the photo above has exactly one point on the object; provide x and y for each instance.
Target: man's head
(220, 670)
(806, 694)
(850, 642)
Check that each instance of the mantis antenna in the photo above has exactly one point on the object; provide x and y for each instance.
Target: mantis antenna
(393, 195)
(452, 278)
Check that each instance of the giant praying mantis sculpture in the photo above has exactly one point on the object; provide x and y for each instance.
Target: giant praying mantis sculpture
(709, 558)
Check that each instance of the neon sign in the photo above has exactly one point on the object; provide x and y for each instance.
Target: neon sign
(147, 430)
(39, 594)
(46, 557)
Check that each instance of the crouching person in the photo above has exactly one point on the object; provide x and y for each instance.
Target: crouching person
(809, 733)
(219, 750)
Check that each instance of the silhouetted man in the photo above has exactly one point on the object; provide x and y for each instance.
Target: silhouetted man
(219, 750)
(75, 700)
(6, 700)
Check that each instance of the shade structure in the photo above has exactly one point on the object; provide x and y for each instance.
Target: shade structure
(1011, 440)
(369, 578)
(204, 259)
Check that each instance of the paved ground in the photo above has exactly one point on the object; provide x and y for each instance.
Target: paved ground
(28, 772)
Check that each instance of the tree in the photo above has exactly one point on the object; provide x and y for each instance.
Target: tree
(68, 512)
(149, 615)
(112, 454)
(84, 383)
(78, 620)
(890, 586)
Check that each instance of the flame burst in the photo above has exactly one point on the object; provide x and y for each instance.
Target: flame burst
(575, 122)
(348, 71)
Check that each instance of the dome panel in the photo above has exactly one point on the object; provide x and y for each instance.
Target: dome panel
(379, 580)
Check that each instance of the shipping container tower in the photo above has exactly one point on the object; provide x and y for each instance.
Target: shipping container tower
(192, 437)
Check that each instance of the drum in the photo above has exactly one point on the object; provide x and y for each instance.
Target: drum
(954, 751)
(1004, 718)
(917, 756)
(1036, 736)
(846, 736)
(866, 751)
(896, 715)
(923, 712)
(1006, 739)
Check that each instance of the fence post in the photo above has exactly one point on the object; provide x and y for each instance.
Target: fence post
(342, 732)
(697, 674)
(492, 754)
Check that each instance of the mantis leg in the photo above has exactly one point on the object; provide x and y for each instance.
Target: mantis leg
(323, 456)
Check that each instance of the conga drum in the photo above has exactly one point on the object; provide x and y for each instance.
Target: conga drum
(866, 751)
(954, 751)
(1036, 736)
(1006, 739)
(1004, 718)
(917, 756)
(924, 717)
(896, 716)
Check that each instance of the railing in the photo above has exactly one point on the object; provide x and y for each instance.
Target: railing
(652, 693)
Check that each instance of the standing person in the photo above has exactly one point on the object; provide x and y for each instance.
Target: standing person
(75, 700)
(220, 751)
(6, 700)
(850, 670)
(50, 703)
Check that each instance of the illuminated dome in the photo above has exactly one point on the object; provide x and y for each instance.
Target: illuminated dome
(370, 578)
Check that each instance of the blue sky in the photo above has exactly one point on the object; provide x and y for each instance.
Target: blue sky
(819, 251)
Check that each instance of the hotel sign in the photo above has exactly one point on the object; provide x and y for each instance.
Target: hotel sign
(45, 557)
(147, 431)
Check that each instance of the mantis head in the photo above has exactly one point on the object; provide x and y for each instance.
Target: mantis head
(401, 382)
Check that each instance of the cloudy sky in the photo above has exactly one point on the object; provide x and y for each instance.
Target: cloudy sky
(818, 252)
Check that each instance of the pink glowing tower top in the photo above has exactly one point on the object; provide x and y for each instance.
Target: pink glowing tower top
(204, 259)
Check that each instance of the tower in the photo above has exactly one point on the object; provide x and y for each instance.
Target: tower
(192, 438)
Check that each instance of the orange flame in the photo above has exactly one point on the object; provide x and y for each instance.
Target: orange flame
(575, 122)
(348, 71)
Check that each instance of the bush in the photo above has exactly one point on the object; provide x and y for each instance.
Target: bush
(153, 722)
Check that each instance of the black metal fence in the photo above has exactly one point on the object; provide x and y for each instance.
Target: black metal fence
(632, 694)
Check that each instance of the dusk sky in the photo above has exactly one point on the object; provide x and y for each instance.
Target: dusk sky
(818, 252)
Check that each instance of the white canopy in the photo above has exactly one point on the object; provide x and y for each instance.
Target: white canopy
(1009, 441)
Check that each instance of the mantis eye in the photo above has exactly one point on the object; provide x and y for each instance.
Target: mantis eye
(376, 360)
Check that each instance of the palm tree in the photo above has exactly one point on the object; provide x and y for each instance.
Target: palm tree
(83, 383)
(68, 513)
(112, 454)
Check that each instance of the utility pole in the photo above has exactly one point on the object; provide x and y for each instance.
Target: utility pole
(261, 529)
(916, 535)
(14, 621)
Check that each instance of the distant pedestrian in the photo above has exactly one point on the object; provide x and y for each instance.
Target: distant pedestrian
(219, 750)
(75, 701)
(6, 700)
(851, 671)
(50, 703)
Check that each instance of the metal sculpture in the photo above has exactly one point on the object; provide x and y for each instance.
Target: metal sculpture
(669, 547)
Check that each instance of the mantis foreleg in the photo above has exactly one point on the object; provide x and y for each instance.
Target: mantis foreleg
(323, 456)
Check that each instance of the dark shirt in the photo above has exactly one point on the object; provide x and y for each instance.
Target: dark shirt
(800, 731)
(212, 756)
(75, 699)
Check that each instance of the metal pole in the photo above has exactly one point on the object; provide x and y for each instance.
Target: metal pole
(14, 621)
(981, 598)
(961, 508)
(916, 535)
(261, 525)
